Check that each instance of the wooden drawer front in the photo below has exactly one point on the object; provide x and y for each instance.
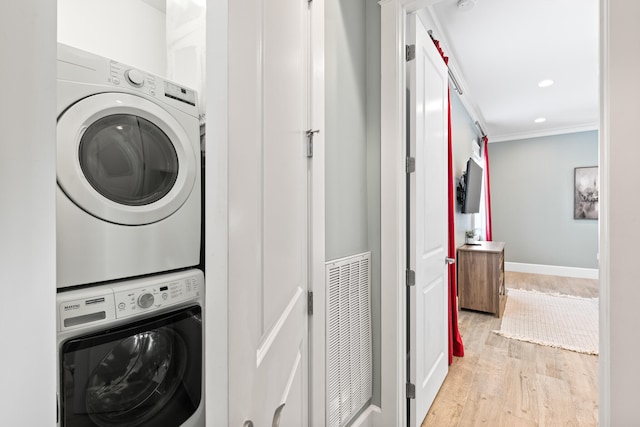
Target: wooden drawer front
(477, 282)
(481, 277)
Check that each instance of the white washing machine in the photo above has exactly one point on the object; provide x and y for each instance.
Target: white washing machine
(131, 353)
(128, 172)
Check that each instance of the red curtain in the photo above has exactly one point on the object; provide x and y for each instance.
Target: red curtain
(489, 227)
(456, 347)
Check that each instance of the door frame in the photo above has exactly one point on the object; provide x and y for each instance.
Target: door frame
(393, 209)
(393, 105)
(216, 220)
(317, 321)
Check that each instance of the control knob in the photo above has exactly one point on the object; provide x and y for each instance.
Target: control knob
(145, 300)
(135, 77)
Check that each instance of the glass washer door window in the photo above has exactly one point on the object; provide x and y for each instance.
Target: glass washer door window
(148, 373)
(125, 159)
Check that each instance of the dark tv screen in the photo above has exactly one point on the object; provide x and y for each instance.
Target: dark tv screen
(473, 187)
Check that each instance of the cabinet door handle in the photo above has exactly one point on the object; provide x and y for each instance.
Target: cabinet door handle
(277, 415)
(247, 423)
(450, 260)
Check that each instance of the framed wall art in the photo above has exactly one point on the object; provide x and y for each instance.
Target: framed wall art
(585, 193)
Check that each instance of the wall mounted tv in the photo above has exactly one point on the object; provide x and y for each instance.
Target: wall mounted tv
(470, 187)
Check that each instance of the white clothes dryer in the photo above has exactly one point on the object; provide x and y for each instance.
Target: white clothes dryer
(128, 172)
(131, 353)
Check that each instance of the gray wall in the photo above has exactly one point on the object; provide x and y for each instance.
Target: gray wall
(532, 200)
(346, 131)
(352, 138)
(464, 141)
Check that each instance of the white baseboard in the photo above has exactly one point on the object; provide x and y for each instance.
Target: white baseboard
(366, 417)
(552, 270)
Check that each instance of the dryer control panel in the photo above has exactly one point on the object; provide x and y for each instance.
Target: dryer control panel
(132, 78)
(122, 74)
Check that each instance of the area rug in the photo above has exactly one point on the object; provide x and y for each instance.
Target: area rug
(554, 320)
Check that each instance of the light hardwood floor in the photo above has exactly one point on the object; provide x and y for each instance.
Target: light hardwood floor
(504, 382)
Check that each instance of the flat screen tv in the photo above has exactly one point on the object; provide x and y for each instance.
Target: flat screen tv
(472, 187)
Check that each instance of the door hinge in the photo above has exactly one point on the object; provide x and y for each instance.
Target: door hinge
(410, 164)
(410, 52)
(310, 134)
(411, 391)
(410, 277)
(310, 303)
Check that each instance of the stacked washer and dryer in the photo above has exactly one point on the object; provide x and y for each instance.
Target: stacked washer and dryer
(130, 334)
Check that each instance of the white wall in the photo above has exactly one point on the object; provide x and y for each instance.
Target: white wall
(185, 35)
(128, 31)
(163, 37)
(27, 217)
(620, 222)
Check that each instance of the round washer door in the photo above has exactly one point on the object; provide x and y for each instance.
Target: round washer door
(124, 159)
(136, 379)
(143, 373)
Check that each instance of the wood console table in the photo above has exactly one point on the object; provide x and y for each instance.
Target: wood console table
(481, 277)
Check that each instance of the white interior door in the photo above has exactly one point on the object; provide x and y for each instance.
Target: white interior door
(268, 214)
(427, 230)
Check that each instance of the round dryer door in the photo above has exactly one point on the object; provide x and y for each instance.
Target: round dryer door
(124, 159)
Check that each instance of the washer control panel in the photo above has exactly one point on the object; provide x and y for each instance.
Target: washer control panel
(97, 305)
(137, 300)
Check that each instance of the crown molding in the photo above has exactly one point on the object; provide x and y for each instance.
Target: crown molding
(547, 132)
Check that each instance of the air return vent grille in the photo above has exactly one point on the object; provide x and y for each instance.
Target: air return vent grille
(349, 350)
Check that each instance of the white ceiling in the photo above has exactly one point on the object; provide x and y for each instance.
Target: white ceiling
(500, 49)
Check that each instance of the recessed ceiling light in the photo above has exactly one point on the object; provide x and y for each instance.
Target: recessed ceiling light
(545, 83)
(540, 120)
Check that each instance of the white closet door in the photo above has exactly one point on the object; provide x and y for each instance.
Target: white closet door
(268, 213)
